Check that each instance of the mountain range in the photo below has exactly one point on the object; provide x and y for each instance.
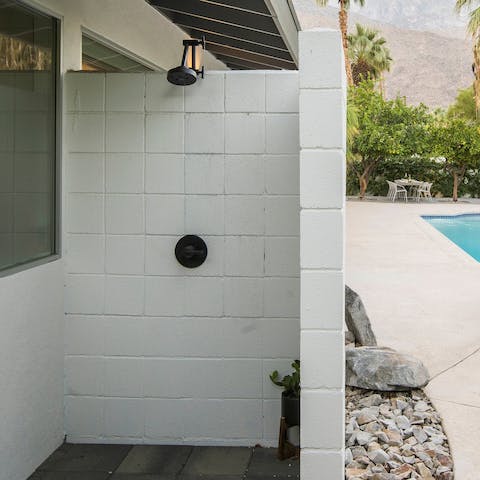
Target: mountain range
(424, 15)
(432, 54)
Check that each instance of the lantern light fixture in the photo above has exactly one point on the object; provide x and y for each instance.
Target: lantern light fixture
(191, 67)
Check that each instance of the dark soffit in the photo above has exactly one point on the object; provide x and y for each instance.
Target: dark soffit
(241, 33)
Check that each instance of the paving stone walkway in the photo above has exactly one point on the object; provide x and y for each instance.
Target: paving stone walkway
(152, 462)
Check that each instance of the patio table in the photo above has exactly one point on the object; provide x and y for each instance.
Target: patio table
(410, 184)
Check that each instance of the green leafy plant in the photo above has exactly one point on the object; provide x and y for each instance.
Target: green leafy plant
(289, 383)
(386, 129)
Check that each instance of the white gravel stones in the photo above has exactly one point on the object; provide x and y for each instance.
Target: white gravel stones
(394, 436)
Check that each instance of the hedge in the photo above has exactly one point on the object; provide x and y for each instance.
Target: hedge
(424, 169)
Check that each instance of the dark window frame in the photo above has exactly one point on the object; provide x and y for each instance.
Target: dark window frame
(56, 179)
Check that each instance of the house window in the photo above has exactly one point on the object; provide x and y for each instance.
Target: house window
(28, 143)
(97, 57)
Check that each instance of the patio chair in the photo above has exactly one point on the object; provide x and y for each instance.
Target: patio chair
(395, 190)
(423, 190)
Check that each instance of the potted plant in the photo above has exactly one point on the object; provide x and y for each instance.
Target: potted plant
(290, 395)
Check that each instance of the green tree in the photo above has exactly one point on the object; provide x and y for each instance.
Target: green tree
(344, 5)
(458, 141)
(386, 129)
(464, 106)
(369, 54)
(474, 29)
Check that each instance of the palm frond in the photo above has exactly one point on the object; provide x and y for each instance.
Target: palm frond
(368, 53)
(474, 22)
(464, 4)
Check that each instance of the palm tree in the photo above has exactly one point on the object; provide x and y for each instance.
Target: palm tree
(369, 54)
(474, 30)
(344, 5)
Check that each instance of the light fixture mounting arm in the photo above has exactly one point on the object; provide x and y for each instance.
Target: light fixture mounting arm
(190, 69)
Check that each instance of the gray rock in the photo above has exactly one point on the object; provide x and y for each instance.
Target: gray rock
(363, 438)
(382, 436)
(357, 319)
(384, 369)
(384, 476)
(420, 435)
(348, 456)
(373, 428)
(421, 406)
(379, 456)
(430, 431)
(349, 337)
(371, 401)
(358, 452)
(365, 417)
(403, 422)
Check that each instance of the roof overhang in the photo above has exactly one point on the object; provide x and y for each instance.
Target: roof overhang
(243, 34)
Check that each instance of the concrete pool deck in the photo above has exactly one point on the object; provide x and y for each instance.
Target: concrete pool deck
(422, 293)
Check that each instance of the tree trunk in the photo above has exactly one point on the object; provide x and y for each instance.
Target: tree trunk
(343, 21)
(476, 84)
(455, 186)
(364, 177)
(363, 181)
(360, 72)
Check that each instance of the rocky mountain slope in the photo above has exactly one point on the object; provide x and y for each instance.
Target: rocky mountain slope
(428, 67)
(425, 15)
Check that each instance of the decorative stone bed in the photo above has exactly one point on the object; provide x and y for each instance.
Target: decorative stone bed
(394, 436)
(393, 432)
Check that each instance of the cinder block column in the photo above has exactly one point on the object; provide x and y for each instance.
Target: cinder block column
(322, 196)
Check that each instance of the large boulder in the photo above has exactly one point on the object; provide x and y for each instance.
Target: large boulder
(357, 319)
(384, 369)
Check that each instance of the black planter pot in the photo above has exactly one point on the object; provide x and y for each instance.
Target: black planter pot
(291, 410)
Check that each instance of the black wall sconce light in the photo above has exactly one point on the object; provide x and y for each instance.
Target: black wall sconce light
(191, 67)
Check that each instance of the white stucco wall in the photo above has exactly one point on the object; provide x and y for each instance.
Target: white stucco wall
(322, 198)
(31, 368)
(131, 26)
(157, 353)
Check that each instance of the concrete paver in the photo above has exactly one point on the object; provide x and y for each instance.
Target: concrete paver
(71, 476)
(84, 458)
(422, 294)
(158, 459)
(142, 476)
(218, 461)
(150, 462)
(264, 463)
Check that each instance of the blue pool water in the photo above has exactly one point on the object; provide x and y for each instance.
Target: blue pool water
(464, 230)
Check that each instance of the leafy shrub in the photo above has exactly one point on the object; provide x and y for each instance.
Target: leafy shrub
(424, 169)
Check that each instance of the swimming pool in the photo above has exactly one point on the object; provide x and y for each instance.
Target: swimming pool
(464, 230)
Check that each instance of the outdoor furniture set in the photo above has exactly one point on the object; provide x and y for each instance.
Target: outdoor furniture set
(408, 188)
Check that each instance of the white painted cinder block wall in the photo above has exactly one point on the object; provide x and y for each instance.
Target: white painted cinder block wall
(156, 353)
(322, 198)
(31, 302)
